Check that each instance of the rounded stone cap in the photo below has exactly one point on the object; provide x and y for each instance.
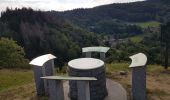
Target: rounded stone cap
(138, 60)
(39, 61)
(85, 63)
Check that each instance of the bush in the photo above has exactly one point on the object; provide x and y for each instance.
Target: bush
(12, 55)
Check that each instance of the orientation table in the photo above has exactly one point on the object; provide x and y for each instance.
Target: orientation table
(88, 67)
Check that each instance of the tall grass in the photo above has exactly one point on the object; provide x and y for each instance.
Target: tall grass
(12, 78)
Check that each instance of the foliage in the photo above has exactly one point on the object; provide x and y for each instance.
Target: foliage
(116, 27)
(149, 24)
(12, 55)
(148, 44)
(116, 18)
(40, 33)
(165, 40)
(137, 38)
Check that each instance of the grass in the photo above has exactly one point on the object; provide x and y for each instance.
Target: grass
(136, 39)
(13, 78)
(19, 84)
(158, 81)
(117, 67)
(149, 24)
(139, 38)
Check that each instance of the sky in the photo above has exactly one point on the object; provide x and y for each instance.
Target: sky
(58, 5)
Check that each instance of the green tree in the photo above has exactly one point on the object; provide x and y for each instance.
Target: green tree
(165, 39)
(12, 55)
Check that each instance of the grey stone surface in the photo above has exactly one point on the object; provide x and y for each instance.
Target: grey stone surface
(102, 56)
(56, 91)
(39, 83)
(69, 78)
(115, 91)
(88, 54)
(49, 68)
(43, 66)
(139, 83)
(83, 90)
(97, 88)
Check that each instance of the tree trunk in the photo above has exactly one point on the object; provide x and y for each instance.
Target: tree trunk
(166, 55)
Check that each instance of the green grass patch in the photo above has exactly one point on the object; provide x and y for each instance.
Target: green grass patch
(12, 78)
(149, 24)
(117, 67)
(155, 68)
(136, 39)
(125, 67)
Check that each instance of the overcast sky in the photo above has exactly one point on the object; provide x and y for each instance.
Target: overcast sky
(58, 5)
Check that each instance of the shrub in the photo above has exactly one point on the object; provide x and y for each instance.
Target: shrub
(12, 55)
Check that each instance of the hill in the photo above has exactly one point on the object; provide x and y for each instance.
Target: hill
(39, 33)
(111, 18)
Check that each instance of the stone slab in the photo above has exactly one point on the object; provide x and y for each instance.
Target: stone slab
(69, 78)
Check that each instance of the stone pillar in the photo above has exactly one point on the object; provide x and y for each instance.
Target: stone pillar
(138, 66)
(56, 90)
(102, 56)
(39, 83)
(88, 54)
(48, 69)
(139, 83)
(83, 90)
(43, 66)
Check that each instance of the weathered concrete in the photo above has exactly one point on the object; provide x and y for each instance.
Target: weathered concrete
(56, 90)
(39, 83)
(138, 66)
(101, 50)
(83, 90)
(94, 68)
(139, 83)
(43, 66)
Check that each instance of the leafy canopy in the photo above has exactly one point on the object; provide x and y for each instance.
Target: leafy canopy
(12, 55)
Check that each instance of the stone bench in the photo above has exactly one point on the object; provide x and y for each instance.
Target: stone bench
(56, 91)
(101, 50)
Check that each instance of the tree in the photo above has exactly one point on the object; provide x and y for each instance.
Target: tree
(12, 55)
(165, 39)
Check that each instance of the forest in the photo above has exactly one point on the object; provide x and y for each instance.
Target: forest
(33, 32)
(119, 17)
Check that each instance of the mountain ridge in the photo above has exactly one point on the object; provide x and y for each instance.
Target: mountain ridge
(144, 11)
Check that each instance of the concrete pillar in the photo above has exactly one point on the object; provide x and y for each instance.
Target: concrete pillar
(88, 54)
(56, 90)
(102, 56)
(49, 68)
(39, 83)
(83, 90)
(138, 66)
(43, 66)
(139, 83)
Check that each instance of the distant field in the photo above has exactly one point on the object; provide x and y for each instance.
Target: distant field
(19, 84)
(136, 39)
(148, 24)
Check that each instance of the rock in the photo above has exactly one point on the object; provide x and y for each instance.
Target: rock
(123, 72)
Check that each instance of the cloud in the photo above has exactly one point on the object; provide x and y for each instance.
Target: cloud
(58, 5)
